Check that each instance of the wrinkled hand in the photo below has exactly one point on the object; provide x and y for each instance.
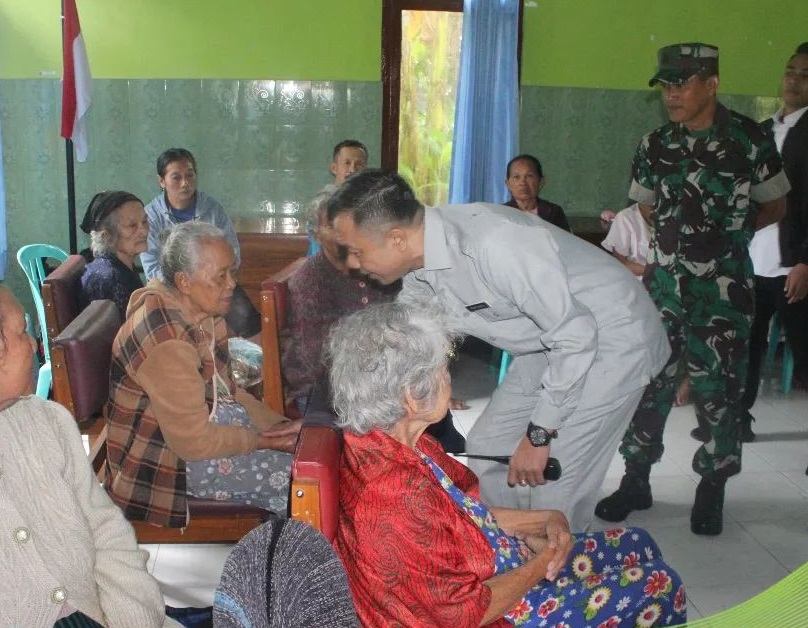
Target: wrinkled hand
(796, 287)
(458, 404)
(556, 545)
(527, 464)
(281, 437)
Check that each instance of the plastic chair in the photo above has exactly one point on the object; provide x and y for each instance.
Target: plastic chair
(504, 363)
(784, 604)
(30, 259)
(787, 374)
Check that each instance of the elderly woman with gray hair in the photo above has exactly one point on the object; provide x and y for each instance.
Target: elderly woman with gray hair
(419, 547)
(177, 424)
(118, 228)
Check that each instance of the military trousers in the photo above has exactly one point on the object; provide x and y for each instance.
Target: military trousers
(708, 321)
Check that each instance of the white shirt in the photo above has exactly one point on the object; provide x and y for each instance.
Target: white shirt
(764, 249)
(526, 286)
(629, 235)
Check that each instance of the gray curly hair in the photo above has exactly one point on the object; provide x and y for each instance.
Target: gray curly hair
(378, 354)
(180, 248)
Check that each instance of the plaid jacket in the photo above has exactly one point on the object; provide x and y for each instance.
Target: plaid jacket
(143, 475)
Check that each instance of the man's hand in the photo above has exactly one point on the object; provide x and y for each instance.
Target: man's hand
(797, 283)
(527, 464)
(281, 437)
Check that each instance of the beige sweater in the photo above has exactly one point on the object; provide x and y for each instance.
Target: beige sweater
(61, 537)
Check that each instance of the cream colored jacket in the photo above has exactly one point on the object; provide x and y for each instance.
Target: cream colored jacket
(62, 540)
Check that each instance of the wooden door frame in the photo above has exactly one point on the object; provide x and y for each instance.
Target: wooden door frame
(391, 65)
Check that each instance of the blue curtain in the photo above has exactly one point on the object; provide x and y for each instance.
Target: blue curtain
(3, 237)
(486, 132)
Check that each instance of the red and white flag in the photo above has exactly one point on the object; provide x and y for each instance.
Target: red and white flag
(76, 82)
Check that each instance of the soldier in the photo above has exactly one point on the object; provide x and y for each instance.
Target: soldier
(713, 176)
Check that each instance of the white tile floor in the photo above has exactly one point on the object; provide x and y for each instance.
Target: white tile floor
(766, 513)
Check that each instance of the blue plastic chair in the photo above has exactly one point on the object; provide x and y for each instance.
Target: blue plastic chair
(30, 258)
(787, 374)
(504, 363)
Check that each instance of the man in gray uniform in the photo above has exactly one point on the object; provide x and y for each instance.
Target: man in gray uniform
(584, 334)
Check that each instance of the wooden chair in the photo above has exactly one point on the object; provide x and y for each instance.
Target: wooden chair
(274, 294)
(61, 295)
(315, 478)
(80, 358)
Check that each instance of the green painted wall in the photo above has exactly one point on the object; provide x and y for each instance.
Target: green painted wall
(574, 43)
(299, 39)
(613, 43)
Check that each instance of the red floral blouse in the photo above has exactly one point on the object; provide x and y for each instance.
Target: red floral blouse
(413, 557)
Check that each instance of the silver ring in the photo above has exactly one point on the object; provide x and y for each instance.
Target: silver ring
(522, 482)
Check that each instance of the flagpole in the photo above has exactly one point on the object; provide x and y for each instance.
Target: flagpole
(71, 181)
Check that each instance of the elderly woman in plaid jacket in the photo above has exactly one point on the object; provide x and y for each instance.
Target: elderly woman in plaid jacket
(177, 424)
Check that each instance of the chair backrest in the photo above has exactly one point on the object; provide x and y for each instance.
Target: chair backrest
(315, 478)
(61, 295)
(274, 297)
(81, 356)
(30, 259)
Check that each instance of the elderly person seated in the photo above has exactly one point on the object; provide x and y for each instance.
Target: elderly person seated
(321, 292)
(419, 546)
(117, 225)
(68, 556)
(177, 424)
(525, 179)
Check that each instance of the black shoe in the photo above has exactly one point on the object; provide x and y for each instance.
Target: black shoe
(700, 433)
(747, 435)
(634, 494)
(707, 516)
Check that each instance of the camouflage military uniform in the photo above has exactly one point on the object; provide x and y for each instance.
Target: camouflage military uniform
(704, 186)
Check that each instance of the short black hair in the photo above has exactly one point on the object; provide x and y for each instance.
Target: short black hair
(376, 196)
(170, 156)
(350, 144)
(802, 49)
(525, 157)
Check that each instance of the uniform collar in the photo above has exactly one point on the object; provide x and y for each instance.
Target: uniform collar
(436, 248)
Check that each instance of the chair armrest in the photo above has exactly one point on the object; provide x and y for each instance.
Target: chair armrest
(315, 478)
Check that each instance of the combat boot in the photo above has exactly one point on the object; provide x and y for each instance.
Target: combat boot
(634, 493)
(707, 516)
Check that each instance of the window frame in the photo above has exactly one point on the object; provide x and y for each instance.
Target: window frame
(391, 66)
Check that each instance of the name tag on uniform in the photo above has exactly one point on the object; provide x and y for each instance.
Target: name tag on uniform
(478, 306)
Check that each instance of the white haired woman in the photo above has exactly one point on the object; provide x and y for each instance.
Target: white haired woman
(118, 228)
(419, 546)
(177, 424)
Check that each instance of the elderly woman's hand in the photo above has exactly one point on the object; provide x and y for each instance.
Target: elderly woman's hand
(554, 538)
(559, 538)
(281, 437)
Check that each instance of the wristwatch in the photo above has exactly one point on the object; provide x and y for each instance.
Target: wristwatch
(538, 436)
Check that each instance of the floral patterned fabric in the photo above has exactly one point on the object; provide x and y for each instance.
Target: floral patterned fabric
(260, 478)
(615, 578)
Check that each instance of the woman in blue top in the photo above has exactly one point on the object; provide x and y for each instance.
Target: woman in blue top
(180, 201)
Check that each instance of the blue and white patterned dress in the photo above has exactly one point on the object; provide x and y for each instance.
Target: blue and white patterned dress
(615, 579)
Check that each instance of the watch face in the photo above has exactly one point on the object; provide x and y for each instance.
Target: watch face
(538, 436)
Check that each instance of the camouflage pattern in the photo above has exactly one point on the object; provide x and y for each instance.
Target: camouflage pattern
(700, 276)
(679, 62)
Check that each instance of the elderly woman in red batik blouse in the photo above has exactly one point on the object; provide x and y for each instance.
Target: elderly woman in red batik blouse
(419, 546)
